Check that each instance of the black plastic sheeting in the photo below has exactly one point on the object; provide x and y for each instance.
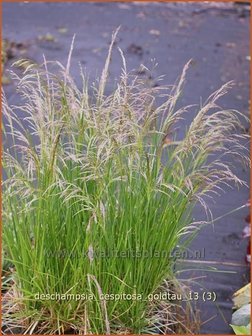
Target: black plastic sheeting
(216, 36)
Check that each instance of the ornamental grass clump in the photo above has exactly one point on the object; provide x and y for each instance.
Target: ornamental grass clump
(98, 193)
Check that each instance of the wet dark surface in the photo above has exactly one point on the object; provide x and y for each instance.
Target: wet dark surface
(217, 38)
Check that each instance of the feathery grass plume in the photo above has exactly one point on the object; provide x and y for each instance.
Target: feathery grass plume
(99, 192)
